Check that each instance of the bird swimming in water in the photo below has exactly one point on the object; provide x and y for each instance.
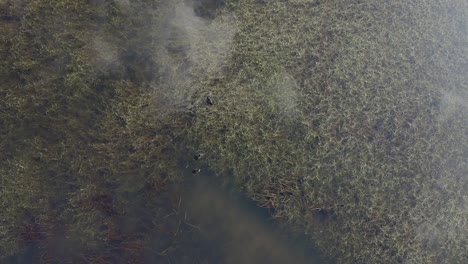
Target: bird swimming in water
(197, 157)
(209, 100)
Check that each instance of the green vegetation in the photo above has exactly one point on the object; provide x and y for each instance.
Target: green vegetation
(347, 119)
(80, 154)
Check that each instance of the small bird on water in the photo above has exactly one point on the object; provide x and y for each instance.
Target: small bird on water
(195, 171)
(197, 156)
(209, 100)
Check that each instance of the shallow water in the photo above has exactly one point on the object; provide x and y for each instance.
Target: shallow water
(356, 129)
(238, 229)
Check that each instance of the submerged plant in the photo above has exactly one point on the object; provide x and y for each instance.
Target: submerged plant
(347, 120)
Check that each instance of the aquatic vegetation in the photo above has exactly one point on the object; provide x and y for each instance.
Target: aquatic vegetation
(348, 120)
(362, 162)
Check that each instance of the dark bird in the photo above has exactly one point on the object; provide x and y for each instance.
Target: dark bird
(209, 100)
(197, 157)
(196, 171)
